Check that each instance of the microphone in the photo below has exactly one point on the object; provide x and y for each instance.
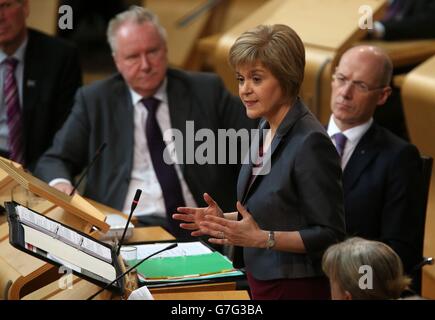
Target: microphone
(133, 206)
(96, 156)
(172, 246)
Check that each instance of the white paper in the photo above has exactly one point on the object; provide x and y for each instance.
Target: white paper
(183, 249)
(66, 234)
(68, 253)
(29, 216)
(141, 294)
(64, 263)
(69, 235)
(97, 249)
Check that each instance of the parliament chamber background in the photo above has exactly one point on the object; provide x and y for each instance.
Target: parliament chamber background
(200, 34)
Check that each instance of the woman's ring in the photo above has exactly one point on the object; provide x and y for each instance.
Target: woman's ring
(221, 235)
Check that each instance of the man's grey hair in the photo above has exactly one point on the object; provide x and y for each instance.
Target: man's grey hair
(137, 15)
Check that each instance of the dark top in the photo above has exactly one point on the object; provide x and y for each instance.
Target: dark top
(299, 190)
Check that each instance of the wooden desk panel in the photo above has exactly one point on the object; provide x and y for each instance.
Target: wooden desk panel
(148, 234)
(83, 289)
(217, 286)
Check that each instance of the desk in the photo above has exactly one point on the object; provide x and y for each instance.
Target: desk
(221, 286)
(83, 289)
(148, 234)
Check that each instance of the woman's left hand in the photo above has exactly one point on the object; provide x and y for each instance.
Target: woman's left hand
(245, 232)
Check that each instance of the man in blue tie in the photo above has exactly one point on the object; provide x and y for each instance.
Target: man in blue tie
(381, 172)
(131, 111)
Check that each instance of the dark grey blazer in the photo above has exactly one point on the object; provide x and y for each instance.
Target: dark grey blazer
(302, 192)
(103, 112)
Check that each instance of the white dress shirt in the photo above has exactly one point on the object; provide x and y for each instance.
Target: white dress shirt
(143, 175)
(353, 136)
(19, 55)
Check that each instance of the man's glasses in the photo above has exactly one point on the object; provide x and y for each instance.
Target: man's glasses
(340, 80)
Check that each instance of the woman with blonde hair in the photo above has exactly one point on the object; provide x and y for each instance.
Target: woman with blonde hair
(290, 206)
(362, 269)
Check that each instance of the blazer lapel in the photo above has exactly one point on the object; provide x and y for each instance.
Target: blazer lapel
(123, 117)
(180, 105)
(364, 153)
(245, 186)
(244, 180)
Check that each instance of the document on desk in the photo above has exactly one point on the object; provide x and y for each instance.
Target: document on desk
(63, 233)
(37, 221)
(183, 249)
(188, 261)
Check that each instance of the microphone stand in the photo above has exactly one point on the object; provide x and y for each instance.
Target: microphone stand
(97, 154)
(133, 206)
(131, 268)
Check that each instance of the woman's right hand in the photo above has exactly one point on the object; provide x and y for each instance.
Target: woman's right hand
(192, 217)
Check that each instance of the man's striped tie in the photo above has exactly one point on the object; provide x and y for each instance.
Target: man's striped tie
(13, 112)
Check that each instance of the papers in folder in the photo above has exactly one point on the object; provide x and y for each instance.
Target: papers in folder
(58, 243)
(67, 235)
(188, 261)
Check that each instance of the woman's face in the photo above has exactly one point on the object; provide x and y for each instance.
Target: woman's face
(260, 92)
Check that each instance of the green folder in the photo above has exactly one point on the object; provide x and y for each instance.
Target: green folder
(185, 266)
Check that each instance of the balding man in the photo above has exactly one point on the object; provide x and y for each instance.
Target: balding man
(381, 172)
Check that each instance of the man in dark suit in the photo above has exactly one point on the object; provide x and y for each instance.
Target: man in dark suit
(39, 77)
(381, 172)
(125, 111)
